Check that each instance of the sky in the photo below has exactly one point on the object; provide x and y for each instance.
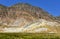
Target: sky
(51, 6)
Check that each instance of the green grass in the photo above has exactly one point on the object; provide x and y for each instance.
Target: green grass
(28, 36)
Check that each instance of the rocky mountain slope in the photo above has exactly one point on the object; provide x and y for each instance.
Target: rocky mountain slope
(58, 18)
(23, 17)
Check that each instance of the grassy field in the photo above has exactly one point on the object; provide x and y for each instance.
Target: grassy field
(29, 36)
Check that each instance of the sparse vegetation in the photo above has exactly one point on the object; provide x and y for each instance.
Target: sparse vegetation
(28, 36)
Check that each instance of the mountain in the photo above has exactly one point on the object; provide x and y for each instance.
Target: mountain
(23, 17)
(58, 18)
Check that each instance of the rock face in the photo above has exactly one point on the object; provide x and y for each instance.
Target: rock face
(23, 17)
